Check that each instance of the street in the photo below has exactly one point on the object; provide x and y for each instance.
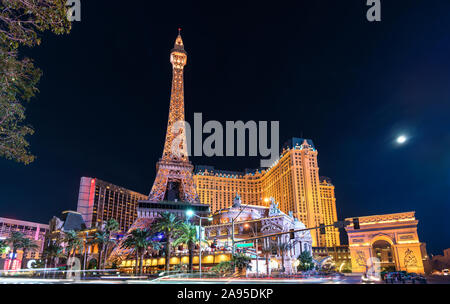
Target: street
(343, 280)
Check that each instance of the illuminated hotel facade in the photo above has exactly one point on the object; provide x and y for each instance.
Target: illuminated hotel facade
(32, 231)
(293, 181)
(99, 201)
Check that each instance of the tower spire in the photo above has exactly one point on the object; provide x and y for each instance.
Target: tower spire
(179, 46)
(175, 145)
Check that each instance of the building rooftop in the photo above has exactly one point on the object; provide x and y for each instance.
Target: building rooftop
(383, 218)
(20, 222)
(294, 142)
(69, 220)
(297, 141)
(114, 187)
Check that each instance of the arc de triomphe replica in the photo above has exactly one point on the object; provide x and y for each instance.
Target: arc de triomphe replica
(392, 238)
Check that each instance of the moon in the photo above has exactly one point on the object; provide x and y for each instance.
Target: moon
(401, 139)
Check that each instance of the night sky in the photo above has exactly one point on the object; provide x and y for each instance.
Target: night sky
(318, 66)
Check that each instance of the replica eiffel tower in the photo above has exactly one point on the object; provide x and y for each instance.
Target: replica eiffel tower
(173, 189)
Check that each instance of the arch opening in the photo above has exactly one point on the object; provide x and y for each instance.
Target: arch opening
(382, 250)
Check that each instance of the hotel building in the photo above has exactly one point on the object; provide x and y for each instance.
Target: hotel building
(33, 231)
(99, 201)
(328, 199)
(293, 181)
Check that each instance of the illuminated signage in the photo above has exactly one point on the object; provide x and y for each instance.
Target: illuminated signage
(30, 264)
(16, 263)
(244, 245)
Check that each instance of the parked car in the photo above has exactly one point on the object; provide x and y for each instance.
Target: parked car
(436, 272)
(417, 278)
(395, 277)
(404, 277)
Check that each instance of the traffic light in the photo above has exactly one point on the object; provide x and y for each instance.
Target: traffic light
(339, 224)
(356, 223)
(292, 234)
(322, 228)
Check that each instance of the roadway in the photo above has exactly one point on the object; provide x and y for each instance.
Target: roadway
(344, 280)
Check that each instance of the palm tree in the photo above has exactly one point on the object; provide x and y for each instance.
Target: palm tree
(187, 235)
(52, 253)
(169, 224)
(111, 226)
(100, 238)
(283, 247)
(27, 244)
(74, 242)
(140, 240)
(15, 241)
(267, 251)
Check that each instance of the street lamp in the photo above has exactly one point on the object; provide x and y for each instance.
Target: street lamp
(232, 228)
(190, 213)
(256, 247)
(232, 233)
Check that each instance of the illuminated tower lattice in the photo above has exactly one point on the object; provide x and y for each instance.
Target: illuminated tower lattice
(173, 189)
(174, 171)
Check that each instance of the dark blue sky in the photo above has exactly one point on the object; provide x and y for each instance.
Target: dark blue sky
(317, 66)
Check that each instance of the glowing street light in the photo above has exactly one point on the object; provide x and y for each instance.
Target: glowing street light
(190, 213)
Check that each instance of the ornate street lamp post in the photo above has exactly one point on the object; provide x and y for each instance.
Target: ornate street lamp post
(256, 247)
(190, 213)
